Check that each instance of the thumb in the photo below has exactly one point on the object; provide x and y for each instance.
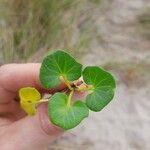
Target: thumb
(30, 133)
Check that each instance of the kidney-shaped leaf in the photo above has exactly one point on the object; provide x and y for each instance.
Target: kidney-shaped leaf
(64, 115)
(28, 98)
(103, 85)
(56, 65)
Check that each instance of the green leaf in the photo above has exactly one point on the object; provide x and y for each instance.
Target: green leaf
(29, 97)
(64, 115)
(103, 85)
(56, 65)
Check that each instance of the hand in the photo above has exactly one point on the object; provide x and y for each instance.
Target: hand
(18, 131)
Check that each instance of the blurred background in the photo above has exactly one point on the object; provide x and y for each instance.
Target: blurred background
(113, 34)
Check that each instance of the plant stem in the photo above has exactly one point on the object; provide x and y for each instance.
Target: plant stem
(69, 98)
(43, 100)
(67, 82)
(85, 89)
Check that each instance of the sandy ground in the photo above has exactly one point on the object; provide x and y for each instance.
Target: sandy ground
(125, 123)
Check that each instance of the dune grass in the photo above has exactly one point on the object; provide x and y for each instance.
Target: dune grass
(144, 23)
(30, 28)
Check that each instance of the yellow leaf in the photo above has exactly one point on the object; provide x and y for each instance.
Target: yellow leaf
(30, 109)
(29, 97)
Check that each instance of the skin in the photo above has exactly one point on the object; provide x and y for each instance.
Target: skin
(17, 130)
